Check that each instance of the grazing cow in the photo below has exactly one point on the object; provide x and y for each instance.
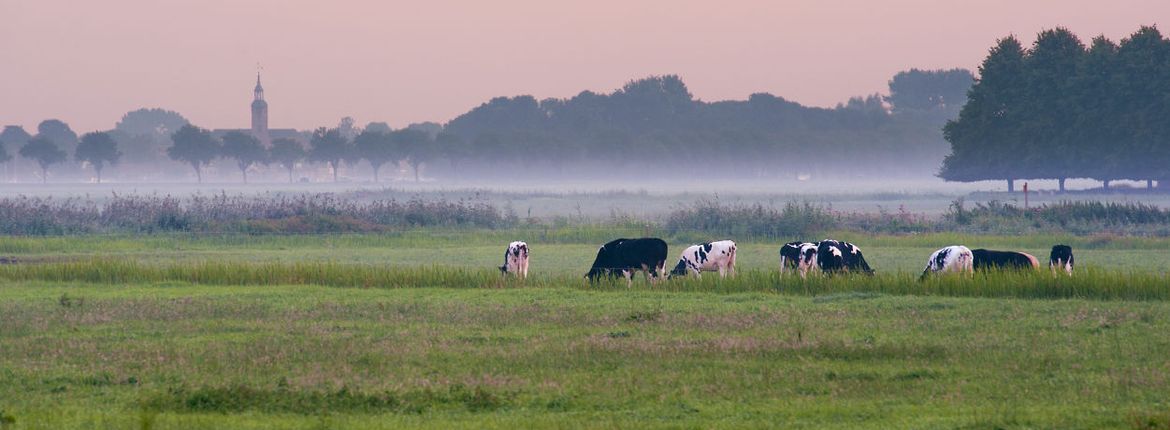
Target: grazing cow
(712, 256)
(798, 255)
(838, 256)
(516, 259)
(1061, 256)
(625, 256)
(955, 258)
(983, 259)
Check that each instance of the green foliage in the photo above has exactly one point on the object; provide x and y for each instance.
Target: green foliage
(44, 152)
(328, 145)
(98, 149)
(195, 146)
(378, 148)
(245, 149)
(1060, 110)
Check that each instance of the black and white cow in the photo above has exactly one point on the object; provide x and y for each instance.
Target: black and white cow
(835, 256)
(516, 259)
(625, 256)
(712, 256)
(1061, 257)
(952, 259)
(800, 256)
(985, 259)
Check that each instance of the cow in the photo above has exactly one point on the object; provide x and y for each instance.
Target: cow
(835, 256)
(798, 255)
(1062, 257)
(954, 258)
(712, 256)
(625, 256)
(791, 255)
(984, 259)
(516, 259)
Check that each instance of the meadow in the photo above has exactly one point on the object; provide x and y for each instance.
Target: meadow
(416, 328)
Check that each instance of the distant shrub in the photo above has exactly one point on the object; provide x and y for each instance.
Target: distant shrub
(1078, 217)
(793, 220)
(316, 213)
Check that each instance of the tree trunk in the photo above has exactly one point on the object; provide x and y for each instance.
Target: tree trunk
(99, 174)
(1149, 184)
(334, 164)
(416, 172)
(198, 173)
(44, 174)
(1105, 184)
(1011, 185)
(290, 175)
(376, 168)
(1061, 184)
(245, 172)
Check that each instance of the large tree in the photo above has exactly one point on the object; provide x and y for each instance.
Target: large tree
(245, 149)
(416, 146)
(98, 149)
(195, 146)
(329, 146)
(288, 153)
(454, 148)
(985, 139)
(377, 148)
(58, 132)
(1048, 117)
(45, 152)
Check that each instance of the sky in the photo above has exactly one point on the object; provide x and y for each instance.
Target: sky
(89, 62)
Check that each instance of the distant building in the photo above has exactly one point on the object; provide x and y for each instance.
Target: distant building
(260, 128)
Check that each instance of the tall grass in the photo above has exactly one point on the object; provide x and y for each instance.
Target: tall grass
(1089, 283)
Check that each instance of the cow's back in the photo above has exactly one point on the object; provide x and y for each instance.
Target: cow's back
(984, 259)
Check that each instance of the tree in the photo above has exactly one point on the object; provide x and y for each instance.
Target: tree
(1048, 115)
(377, 148)
(15, 135)
(154, 122)
(929, 92)
(4, 155)
(44, 152)
(245, 149)
(985, 138)
(58, 132)
(380, 127)
(195, 146)
(288, 153)
(329, 146)
(97, 149)
(453, 147)
(415, 145)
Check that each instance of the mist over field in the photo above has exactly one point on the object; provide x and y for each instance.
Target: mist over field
(360, 214)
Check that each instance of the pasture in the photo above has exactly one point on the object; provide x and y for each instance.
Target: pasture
(417, 329)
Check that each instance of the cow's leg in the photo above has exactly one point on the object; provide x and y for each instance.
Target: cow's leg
(524, 269)
(629, 274)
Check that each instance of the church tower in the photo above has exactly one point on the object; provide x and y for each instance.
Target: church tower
(260, 115)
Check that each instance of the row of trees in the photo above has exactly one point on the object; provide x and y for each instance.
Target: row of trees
(96, 149)
(657, 122)
(650, 126)
(197, 147)
(1060, 110)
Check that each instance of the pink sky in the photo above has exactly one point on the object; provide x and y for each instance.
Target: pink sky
(89, 62)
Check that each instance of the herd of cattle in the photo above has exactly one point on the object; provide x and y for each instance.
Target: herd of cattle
(626, 256)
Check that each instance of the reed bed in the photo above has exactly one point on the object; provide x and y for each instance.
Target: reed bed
(1088, 283)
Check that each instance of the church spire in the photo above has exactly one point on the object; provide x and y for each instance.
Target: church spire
(259, 90)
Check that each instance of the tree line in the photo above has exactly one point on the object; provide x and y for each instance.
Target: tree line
(648, 126)
(1061, 110)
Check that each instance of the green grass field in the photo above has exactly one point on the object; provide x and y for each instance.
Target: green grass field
(416, 329)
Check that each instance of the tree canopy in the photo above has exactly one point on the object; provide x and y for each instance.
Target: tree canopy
(195, 146)
(245, 149)
(1060, 110)
(98, 149)
(45, 152)
(328, 145)
(288, 153)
